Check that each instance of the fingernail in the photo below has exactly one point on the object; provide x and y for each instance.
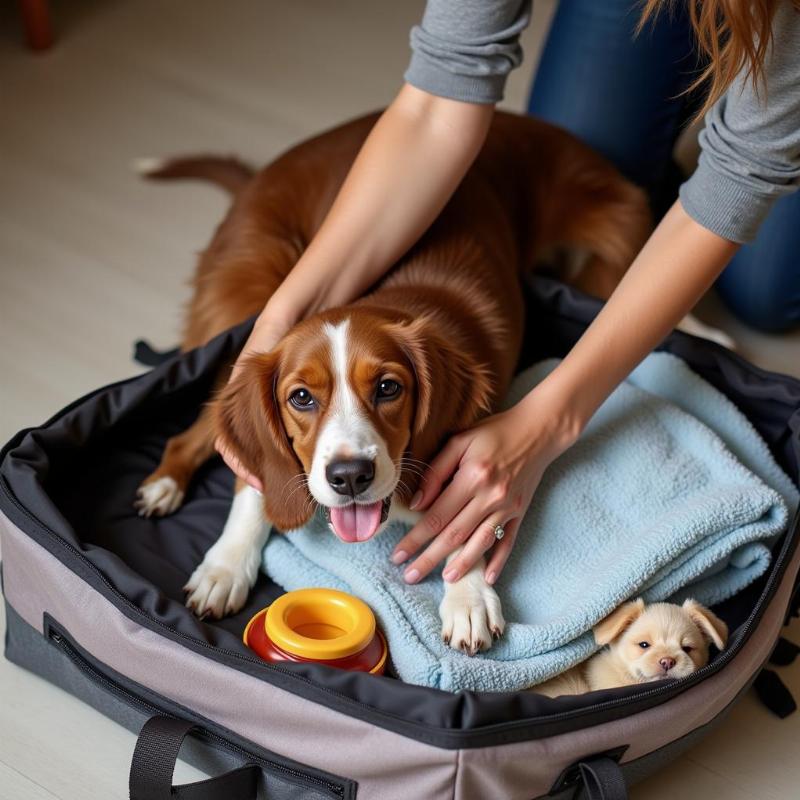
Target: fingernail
(450, 574)
(491, 577)
(415, 500)
(412, 576)
(399, 557)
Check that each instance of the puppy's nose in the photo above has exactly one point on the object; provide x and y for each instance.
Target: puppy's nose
(667, 664)
(350, 477)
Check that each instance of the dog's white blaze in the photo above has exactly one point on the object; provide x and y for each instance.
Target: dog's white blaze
(345, 401)
(348, 432)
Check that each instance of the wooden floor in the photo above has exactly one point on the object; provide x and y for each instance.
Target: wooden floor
(91, 259)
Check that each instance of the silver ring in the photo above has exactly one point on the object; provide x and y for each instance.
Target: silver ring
(499, 532)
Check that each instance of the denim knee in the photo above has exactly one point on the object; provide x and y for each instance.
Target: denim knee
(762, 283)
(767, 299)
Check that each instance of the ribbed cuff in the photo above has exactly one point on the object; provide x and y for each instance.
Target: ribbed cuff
(430, 77)
(723, 205)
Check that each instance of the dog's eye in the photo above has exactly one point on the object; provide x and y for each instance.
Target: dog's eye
(644, 645)
(687, 648)
(387, 389)
(302, 399)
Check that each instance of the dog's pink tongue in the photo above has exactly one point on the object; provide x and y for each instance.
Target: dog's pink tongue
(356, 523)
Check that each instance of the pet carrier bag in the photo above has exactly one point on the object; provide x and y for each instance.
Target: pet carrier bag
(94, 604)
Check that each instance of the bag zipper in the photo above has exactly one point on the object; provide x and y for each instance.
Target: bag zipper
(62, 642)
(778, 570)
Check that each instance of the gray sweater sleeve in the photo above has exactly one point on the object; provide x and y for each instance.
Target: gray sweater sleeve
(464, 49)
(750, 146)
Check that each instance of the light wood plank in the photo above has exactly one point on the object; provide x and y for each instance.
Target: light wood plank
(15, 786)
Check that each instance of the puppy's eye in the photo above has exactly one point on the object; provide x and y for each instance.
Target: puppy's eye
(387, 390)
(644, 645)
(687, 648)
(302, 399)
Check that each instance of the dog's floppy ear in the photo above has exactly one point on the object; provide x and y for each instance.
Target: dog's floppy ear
(249, 421)
(618, 621)
(453, 390)
(711, 626)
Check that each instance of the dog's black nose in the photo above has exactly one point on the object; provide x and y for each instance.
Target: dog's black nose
(667, 664)
(350, 477)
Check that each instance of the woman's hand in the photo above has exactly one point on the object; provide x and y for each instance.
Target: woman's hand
(270, 327)
(493, 471)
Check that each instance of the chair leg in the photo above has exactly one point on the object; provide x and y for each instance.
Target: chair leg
(36, 19)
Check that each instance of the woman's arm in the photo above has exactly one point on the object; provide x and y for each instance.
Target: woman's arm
(677, 265)
(407, 169)
(494, 469)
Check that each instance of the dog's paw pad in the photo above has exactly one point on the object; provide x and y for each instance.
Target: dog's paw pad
(158, 498)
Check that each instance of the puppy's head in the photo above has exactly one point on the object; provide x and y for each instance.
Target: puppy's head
(661, 640)
(344, 412)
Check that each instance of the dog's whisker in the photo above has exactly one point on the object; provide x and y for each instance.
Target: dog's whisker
(300, 480)
(287, 497)
(416, 461)
(301, 477)
(409, 465)
(299, 487)
(412, 468)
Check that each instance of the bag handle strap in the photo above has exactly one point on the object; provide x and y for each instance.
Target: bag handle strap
(774, 694)
(602, 779)
(154, 759)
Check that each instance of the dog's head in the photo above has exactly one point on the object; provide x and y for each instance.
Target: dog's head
(345, 412)
(662, 640)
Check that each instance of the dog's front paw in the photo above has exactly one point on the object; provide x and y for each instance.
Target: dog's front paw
(220, 586)
(471, 615)
(158, 498)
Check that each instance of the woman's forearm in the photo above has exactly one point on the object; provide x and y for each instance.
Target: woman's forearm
(406, 171)
(676, 266)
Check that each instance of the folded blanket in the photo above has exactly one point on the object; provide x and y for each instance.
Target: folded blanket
(669, 492)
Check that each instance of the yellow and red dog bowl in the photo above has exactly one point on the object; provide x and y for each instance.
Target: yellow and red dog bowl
(320, 625)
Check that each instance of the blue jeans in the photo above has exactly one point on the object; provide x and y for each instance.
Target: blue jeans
(624, 95)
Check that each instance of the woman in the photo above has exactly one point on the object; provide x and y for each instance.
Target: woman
(628, 97)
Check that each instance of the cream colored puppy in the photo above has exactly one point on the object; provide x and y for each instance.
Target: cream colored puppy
(644, 644)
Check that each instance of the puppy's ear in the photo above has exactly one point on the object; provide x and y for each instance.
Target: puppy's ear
(711, 626)
(249, 421)
(618, 621)
(453, 390)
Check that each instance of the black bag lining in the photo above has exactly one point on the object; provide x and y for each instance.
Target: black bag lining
(70, 485)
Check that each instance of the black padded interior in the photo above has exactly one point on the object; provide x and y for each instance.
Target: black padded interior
(78, 475)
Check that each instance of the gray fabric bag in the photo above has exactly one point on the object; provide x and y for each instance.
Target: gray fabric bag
(94, 602)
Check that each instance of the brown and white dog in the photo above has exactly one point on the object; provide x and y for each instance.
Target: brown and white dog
(348, 408)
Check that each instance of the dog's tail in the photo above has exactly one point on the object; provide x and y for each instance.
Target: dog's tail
(228, 173)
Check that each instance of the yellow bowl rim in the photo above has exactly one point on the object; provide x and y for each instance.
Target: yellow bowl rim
(359, 635)
(378, 668)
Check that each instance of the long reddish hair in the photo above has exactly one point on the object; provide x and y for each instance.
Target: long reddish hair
(733, 37)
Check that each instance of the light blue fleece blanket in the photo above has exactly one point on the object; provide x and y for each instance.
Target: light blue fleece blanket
(669, 493)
